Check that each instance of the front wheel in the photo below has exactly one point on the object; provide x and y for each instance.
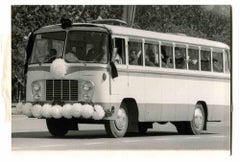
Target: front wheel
(57, 127)
(118, 128)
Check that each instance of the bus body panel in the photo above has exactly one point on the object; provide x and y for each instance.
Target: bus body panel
(165, 97)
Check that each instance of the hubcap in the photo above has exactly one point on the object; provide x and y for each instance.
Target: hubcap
(121, 120)
(198, 118)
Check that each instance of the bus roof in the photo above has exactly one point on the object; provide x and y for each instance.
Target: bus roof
(83, 26)
(168, 37)
(138, 33)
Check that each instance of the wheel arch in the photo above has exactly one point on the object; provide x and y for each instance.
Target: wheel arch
(205, 108)
(133, 113)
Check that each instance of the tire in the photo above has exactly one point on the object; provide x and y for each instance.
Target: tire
(195, 126)
(57, 127)
(118, 128)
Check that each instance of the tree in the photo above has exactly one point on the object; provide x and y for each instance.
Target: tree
(198, 21)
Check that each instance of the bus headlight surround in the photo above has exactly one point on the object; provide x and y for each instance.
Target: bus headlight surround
(87, 86)
(36, 90)
(36, 86)
(87, 91)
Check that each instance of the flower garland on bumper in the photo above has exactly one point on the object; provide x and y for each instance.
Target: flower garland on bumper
(68, 111)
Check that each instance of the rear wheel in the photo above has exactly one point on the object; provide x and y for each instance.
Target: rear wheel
(195, 126)
(57, 127)
(118, 128)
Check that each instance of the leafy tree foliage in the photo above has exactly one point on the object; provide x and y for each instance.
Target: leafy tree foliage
(190, 20)
(197, 21)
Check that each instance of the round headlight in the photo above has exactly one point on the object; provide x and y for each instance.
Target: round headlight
(36, 96)
(86, 97)
(86, 87)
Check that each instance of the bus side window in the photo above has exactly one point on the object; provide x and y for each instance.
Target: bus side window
(151, 54)
(180, 58)
(227, 61)
(217, 61)
(135, 53)
(205, 60)
(119, 55)
(167, 56)
(193, 60)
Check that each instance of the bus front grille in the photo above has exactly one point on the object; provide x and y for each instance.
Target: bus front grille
(61, 90)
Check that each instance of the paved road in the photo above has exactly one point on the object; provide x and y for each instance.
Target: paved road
(32, 134)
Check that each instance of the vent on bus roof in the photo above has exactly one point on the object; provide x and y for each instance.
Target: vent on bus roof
(109, 22)
(180, 34)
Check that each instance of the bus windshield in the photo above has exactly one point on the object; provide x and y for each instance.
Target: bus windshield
(86, 46)
(81, 46)
(47, 47)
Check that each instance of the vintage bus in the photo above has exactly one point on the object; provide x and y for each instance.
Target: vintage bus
(124, 78)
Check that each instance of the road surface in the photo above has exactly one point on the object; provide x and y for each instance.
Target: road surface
(32, 134)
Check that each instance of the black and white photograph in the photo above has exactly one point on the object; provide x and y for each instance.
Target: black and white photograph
(121, 78)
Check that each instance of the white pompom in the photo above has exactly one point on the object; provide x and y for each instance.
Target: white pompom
(37, 111)
(19, 107)
(87, 111)
(27, 109)
(58, 68)
(98, 113)
(67, 111)
(46, 110)
(56, 111)
(77, 110)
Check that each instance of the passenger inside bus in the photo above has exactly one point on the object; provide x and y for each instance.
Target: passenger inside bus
(151, 57)
(71, 55)
(193, 64)
(193, 59)
(148, 62)
(98, 53)
(180, 58)
(166, 59)
(205, 60)
(217, 67)
(116, 57)
(155, 55)
(133, 58)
